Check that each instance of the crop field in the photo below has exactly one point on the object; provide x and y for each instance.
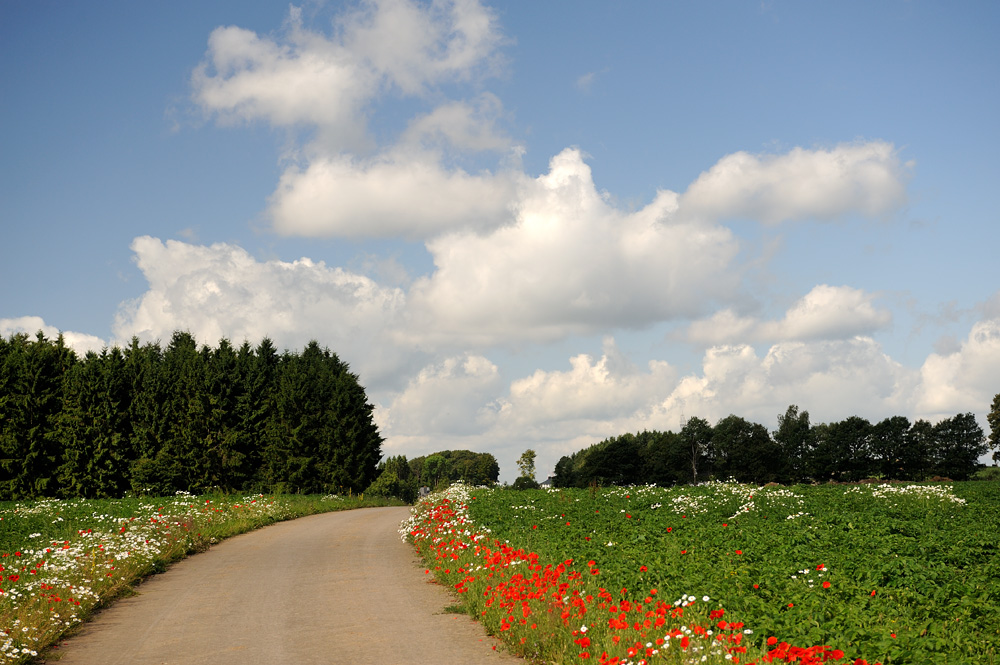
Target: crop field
(725, 572)
(59, 559)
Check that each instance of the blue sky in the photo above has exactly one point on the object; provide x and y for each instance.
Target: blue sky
(524, 225)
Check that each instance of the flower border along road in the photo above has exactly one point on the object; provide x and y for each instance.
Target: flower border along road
(51, 585)
(556, 611)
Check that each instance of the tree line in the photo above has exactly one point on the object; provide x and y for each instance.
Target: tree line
(850, 450)
(152, 420)
(403, 478)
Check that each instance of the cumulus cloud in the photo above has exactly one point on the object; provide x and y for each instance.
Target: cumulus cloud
(826, 312)
(449, 398)
(344, 184)
(464, 402)
(593, 389)
(856, 178)
(521, 258)
(305, 82)
(81, 343)
(965, 380)
(559, 412)
(401, 194)
(832, 379)
(221, 291)
(307, 78)
(571, 263)
(414, 45)
(461, 124)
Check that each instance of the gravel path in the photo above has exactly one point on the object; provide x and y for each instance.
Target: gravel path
(333, 588)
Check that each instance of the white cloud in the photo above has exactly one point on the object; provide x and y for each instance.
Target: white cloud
(830, 312)
(306, 78)
(81, 343)
(221, 291)
(724, 327)
(832, 379)
(826, 312)
(461, 402)
(463, 125)
(965, 380)
(449, 398)
(560, 412)
(415, 45)
(520, 258)
(402, 194)
(572, 264)
(608, 388)
(309, 80)
(856, 178)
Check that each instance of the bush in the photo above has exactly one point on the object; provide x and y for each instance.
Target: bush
(389, 485)
(989, 473)
(525, 483)
(386, 485)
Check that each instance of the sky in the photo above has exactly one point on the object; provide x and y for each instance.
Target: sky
(523, 225)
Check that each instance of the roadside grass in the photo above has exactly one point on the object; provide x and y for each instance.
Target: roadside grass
(725, 572)
(62, 559)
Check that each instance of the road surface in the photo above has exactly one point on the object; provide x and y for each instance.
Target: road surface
(332, 588)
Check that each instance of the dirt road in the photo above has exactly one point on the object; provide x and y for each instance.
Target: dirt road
(332, 588)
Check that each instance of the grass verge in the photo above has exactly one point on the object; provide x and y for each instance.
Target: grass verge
(62, 559)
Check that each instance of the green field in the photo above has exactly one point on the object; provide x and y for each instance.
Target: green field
(888, 573)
